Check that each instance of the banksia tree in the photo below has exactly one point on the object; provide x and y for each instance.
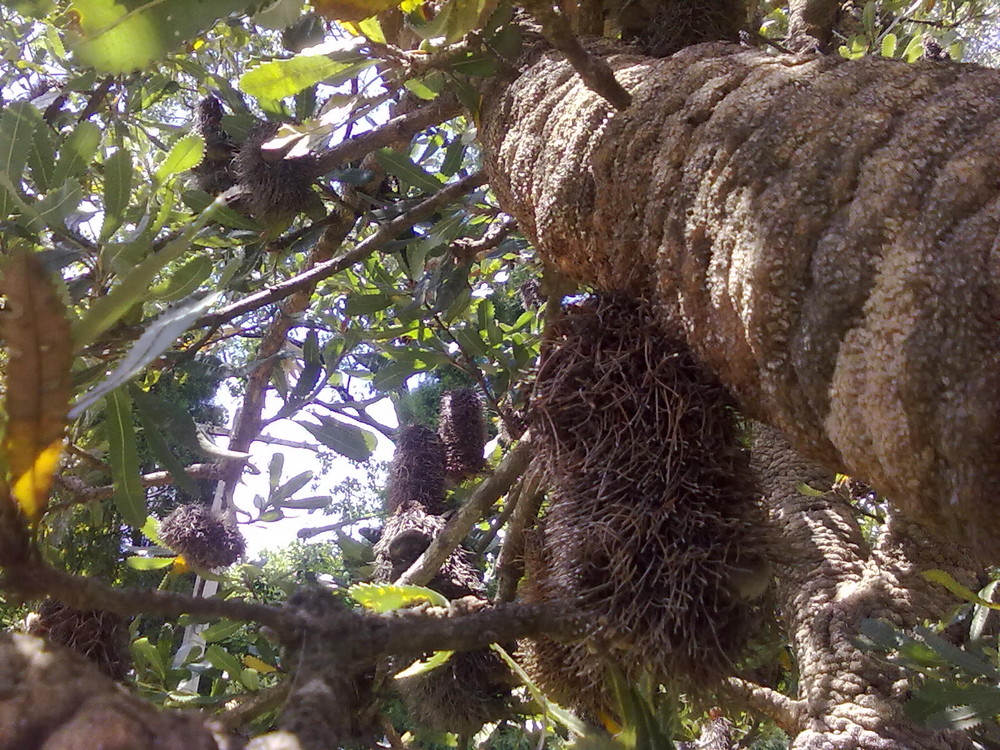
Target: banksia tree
(100, 636)
(654, 530)
(204, 538)
(463, 433)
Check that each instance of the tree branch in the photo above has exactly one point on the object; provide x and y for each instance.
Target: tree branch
(488, 492)
(84, 493)
(385, 234)
(786, 712)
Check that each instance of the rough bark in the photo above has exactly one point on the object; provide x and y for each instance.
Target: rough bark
(823, 230)
(829, 582)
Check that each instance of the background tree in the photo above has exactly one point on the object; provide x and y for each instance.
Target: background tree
(359, 201)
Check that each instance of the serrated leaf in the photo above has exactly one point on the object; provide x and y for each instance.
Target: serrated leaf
(56, 207)
(120, 36)
(277, 79)
(221, 659)
(17, 131)
(153, 432)
(405, 169)
(423, 666)
(42, 159)
(290, 487)
(386, 597)
(151, 529)
(957, 656)
(185, 281)
(77, 152)
(130, 498)
(118, 176)
(156, 339)
(35, 331)
(149, 563)
(347, 439)
(183, 155)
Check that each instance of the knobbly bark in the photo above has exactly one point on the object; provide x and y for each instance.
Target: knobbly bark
(823, 230)
(829, 583)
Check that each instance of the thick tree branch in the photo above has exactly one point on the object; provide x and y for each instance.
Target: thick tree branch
(810, 24)
(786, 712)
(385, 234)
(488, 492)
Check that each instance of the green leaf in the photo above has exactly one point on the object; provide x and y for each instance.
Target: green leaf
(42, 158)
(956, 656)
(347, 439)
(185, 281)
(149, 563)
(945, 579)
(405, 169)
(277, 79)
(155, 340)
(130, 498)
(805, 489)
(354, 551)
(366, 304)
(386, 598)
(558, 713)
(120, 36)
(118, 177)
(54, 208)
(146, 652)
(221, 659)
(151, 529)
(77, 152)
(221, 630)
(153, 432)
(391, 377)
(290, 487)
(423, 666)
(981, 613)
(17, 131)
(172, 417)
(306, 503)
(183, 155)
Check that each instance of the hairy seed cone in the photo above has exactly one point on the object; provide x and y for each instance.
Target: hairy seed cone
(416, 476)
(100, 636)
(204, 538)
(654, 513)
(463, 432)
(272, 184)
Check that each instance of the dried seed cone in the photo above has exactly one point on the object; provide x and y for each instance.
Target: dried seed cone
(463, 432)
(416, 476)
(654, 515)
(405, 536)
(272, 184)
(469, 690)
(99, 636)
(204, 538)
(214, 174)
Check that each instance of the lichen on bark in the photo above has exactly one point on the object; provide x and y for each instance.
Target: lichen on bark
(823, 230)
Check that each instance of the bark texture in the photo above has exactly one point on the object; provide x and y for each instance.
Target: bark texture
(829, 582)
(823, 230)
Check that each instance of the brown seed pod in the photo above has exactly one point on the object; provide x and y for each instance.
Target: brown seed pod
(99, 636)
(416, 476)
(272, 183)
(203, 537)
(463, 432)
(654, 517)
(405, 536)
(214, 174)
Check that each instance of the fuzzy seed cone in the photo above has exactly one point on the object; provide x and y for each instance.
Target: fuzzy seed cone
(654, 518)
(469, 690)
(416, 476)
(99, 636)
(272, 185)
(463, 433)
(215, 173)
(405, 536)
(205, 539)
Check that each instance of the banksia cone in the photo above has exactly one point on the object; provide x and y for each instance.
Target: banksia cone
(214, 174)
(463, 432)
(100, 636)
(273, 184)
(416, 476)
(203, 537)
(654, 515)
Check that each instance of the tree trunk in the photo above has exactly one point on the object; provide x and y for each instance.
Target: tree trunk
(829, 582)
(823, 230)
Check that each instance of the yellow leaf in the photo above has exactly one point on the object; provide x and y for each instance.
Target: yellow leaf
(40, 353)
(180, 565)
(31, 489)
(258, 664)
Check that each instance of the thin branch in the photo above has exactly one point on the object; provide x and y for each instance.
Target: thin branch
(510, 561)
(786, 712)
(488, 492)
(316, 530)
(84, 493)
(594, 71)
(268, 439)
(385, 234)
(243, 709)
(398, 129)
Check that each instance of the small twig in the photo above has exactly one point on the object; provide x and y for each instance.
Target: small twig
(595, 71)
(316, 530)
(488, 492)
(84, 493)
(268, 439)
(510, 561)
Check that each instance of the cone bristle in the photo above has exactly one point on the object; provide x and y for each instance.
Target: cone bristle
(463, 432)
(416, 476)
(203, 537)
